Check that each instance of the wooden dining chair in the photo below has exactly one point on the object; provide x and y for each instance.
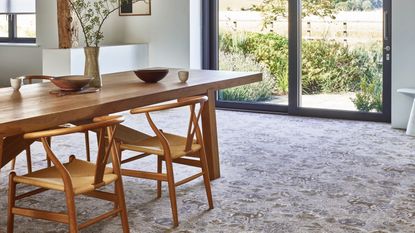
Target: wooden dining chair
(77, 177)
(172, 148)
(29, 80)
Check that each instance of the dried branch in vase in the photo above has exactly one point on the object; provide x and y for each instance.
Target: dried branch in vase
(91, 15)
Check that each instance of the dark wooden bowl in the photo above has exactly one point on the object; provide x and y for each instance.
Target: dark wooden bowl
(151, 75)
(71, 82)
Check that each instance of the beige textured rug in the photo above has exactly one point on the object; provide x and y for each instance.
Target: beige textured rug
(279, 174)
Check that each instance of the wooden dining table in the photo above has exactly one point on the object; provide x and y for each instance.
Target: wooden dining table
(33, 108)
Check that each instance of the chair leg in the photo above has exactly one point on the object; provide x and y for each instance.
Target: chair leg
(70, 204)
(121, 204)
(206, 178)
(49, 163)
(104, 144)
(28, 159)
(159, 170)
(12, 200)
(116, 204)
(13, 164)
(172, 191)
(88, 151)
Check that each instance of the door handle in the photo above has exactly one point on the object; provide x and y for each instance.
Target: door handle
(385, 26)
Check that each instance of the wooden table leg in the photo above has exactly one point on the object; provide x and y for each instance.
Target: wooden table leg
(11, 147)
(1, 159)
(1, 152)
(210, 135)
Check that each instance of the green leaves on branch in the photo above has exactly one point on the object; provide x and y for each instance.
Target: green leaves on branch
(92, 14)
(321, 8)
(274, 10)
(358, 5)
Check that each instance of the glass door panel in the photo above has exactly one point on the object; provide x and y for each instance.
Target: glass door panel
(247, 42)
(342, 55)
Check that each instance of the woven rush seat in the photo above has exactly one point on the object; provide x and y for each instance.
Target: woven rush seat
(152, 145)
(82, 174)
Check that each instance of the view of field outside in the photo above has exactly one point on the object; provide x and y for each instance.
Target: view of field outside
(26, 26)
(341, 52)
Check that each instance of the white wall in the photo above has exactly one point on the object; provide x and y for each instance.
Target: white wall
(16, 61)
(112, 59)
(167, 31)
(195, 34)
(46, 24)
(403, 61)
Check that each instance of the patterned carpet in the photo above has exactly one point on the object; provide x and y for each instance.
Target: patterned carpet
(279, 174)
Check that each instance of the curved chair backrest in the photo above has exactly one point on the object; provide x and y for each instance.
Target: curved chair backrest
(193, 128)
(105, 127)
(180, 103)
(98, 122)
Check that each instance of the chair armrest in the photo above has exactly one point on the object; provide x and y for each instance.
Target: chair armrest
(99, 122)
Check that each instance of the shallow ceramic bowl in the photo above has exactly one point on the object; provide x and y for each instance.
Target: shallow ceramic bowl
(151, 75)
(71, 82)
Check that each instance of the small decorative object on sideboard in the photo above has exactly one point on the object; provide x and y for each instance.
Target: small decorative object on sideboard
(71, 82)
(91, 16)
(183, 76)
(151, 75)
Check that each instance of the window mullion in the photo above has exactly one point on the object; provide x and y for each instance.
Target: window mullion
(11, 26)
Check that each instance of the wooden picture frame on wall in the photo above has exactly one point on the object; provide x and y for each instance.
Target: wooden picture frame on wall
(135, 7)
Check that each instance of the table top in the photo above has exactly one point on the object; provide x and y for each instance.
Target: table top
(33, 108)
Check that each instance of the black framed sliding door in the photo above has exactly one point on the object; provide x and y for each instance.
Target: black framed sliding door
(341, 67)
(331, 61)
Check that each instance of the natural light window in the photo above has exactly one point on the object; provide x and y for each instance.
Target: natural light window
(18, 21)
(4, 28)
